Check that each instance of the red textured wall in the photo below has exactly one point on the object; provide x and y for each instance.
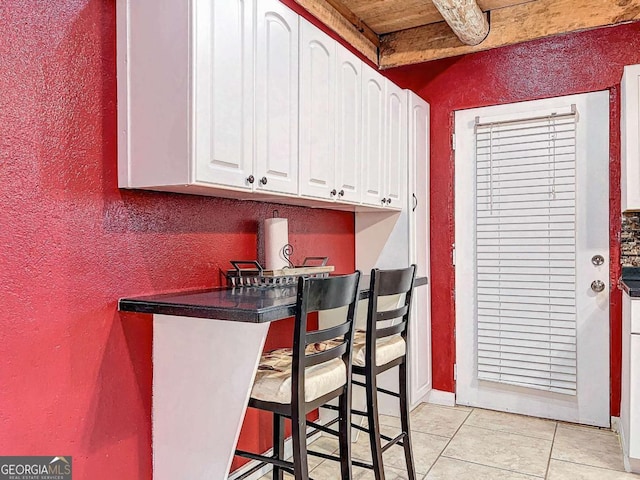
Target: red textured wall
(75, 375)
(569, 64)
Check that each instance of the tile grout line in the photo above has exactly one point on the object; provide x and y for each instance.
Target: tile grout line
(448, 442)
(512, 433)
(555, 430)
(494, 467)
(594, 466)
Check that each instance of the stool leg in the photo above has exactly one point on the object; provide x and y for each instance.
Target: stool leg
(374, 425)
(345, 433)
(278, 444)
(299, 439)
(404, 420)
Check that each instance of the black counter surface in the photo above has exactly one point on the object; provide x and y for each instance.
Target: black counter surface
(238, 304)
(630, 281)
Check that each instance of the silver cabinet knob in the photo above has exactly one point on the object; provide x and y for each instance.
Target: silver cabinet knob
(388, 201)
(263, 180)
(341, 193)
(250, 179)
(597, 260)
(597, 286)
(333, 192)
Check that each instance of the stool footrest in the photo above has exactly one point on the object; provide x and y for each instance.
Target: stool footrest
(322, 428)
(381, 390)
(288, 466)
(327, 456)
(393, 441)
(331, 407)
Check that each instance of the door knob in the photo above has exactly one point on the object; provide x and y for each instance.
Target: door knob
(597, 286)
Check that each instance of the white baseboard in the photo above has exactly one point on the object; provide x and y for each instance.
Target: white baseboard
(440, 397)
(288, 452)
(616, 426)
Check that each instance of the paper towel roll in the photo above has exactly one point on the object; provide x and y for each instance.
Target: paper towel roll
(276, 236)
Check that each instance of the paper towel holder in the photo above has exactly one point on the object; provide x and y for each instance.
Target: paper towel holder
(287, 251)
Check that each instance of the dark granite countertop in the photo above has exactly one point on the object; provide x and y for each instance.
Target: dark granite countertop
(239, 304)
(630, 281)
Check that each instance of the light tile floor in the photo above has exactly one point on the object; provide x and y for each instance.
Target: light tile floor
(458, 443)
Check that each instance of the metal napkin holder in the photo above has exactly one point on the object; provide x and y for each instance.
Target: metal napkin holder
(256, 276)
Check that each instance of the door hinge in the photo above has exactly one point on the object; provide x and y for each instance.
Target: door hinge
(453, 141)
(455, 371)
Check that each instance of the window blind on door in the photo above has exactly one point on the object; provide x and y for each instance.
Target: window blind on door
(525, 252)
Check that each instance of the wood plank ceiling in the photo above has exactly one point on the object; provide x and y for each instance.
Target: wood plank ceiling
(392, 33)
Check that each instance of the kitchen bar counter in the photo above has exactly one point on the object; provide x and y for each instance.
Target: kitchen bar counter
(630, 281)
(236, 304)
(206, 349)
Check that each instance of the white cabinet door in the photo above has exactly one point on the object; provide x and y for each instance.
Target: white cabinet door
(395, 161)
(223, 96)
(629, 413)
(373, 115)
(276, 107)
(419, 237)
(348, 110)
(317, 100)
(630, 137)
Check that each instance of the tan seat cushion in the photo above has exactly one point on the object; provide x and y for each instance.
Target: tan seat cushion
(273, 379)
(387, 348)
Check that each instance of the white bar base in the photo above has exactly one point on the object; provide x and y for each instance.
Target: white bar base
(203, 371)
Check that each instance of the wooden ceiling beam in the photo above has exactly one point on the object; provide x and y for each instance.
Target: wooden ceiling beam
(335, 15)
(465, 18)
(509, 25)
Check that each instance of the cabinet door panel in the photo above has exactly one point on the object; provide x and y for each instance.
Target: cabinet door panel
(630, 138)
(395, 146)
(223, 98)
(418, 167)
(317, 97)
(373, 113)
(276, 97)
(634, 392)
(348, 125)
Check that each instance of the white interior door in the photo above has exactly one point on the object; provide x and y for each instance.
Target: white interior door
(532, 211)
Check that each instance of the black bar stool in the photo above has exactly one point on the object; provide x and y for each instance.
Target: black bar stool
(383, 345)
(293, 382)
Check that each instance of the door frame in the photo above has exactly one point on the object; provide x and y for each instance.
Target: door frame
(566, 408)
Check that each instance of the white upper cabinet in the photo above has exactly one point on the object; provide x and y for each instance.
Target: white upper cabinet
(317, 125)
(373, 122)
(630, 137)
(330, 92)
(237, 98)
(223, 97)
(384, 141)
(276, 90)
(395, 161)
(348, 110)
